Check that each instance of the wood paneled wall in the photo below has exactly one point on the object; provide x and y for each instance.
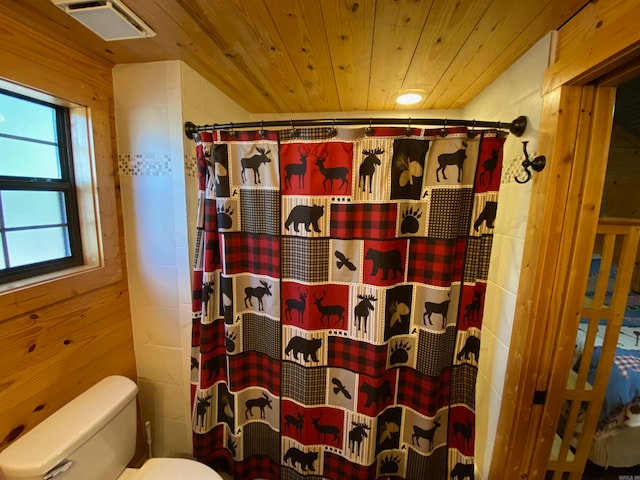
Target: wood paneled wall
(59, 338)
(620, 197)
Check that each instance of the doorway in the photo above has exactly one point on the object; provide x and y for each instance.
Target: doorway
(596, 51)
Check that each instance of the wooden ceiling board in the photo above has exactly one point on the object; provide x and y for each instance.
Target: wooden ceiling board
(349, 28)
(307, 46)
(448, 27)
(296, 56)
(245, 35)
(554, 14)
(397, 31)
(500, 25)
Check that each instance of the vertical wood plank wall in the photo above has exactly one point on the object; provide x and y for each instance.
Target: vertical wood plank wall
(56, 349)
(621, 183)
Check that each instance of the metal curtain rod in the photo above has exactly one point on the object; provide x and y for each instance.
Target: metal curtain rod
(516, 127)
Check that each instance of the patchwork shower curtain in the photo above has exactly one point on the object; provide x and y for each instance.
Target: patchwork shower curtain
(339, 285)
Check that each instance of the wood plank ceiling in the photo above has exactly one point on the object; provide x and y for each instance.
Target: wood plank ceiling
(281, 56)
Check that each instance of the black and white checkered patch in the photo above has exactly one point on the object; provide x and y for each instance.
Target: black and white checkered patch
(260, 439)
(463, 385)
(450, 212)
(305, 259)
(435, 351)
(198, 257)
(476, 266)
(435, 464)
(261, 334)
(260, 211)
(304, 385)
(319, 133)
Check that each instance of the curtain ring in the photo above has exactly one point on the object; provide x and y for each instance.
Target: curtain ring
(501, 133)
(232, 132)
(262, 132)
(472, 133)
(332, 131)
(369, 130)
(443, 131)
(294, 132)
(408, 130)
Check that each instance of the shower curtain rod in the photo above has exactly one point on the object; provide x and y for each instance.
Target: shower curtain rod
(516, 127)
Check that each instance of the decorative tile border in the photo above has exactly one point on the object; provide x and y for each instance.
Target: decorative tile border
(190, 166)
(144, 165)
(512, 168)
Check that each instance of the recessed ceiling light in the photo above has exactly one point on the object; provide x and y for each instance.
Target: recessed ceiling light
(410, 97)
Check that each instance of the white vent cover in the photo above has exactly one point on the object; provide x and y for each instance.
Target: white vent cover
(109, 19)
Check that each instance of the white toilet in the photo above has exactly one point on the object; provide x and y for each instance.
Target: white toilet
(93, 437)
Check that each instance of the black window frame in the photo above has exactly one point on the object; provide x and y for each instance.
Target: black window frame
(66, 184)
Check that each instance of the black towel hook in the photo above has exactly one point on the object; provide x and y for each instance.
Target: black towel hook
(537, 164)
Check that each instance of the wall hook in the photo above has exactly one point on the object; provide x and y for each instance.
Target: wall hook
(537, 164)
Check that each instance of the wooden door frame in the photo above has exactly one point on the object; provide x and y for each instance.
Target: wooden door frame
(575, 132)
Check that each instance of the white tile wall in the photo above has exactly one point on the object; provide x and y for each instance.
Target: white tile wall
(516, 92)
(159, 192)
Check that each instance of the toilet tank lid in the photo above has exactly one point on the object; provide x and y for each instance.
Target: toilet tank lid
(60, 434)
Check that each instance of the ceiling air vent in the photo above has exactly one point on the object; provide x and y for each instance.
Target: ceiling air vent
(109, 19)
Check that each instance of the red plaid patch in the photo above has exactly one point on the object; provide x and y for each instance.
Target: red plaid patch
(208, 448)
(246, 136)
(361, 357)
(460, 258)
(250, 369)
(245, 252)
(364, 220)
(431, 261)
(212, 336)
(336, 466)
(423, 393)
(257, 466)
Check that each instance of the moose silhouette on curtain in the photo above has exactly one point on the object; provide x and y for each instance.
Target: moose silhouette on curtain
(339, 282)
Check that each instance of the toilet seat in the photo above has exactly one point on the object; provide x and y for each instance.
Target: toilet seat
(173, 469)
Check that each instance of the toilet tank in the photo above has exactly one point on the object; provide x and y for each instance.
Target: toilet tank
(91, 437)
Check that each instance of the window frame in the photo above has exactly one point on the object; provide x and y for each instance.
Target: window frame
(92, 125)
(66, 185)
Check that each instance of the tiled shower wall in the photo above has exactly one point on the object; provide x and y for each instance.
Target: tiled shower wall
(159, 195)
(159, 198)
(516, 92)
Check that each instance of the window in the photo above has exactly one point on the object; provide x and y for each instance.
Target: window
(39, 225)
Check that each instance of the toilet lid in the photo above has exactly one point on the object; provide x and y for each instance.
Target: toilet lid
(176, 469)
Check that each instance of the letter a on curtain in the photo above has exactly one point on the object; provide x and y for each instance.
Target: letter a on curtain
(339, 285)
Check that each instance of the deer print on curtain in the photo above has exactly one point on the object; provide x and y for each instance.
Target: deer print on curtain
(339, 288)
